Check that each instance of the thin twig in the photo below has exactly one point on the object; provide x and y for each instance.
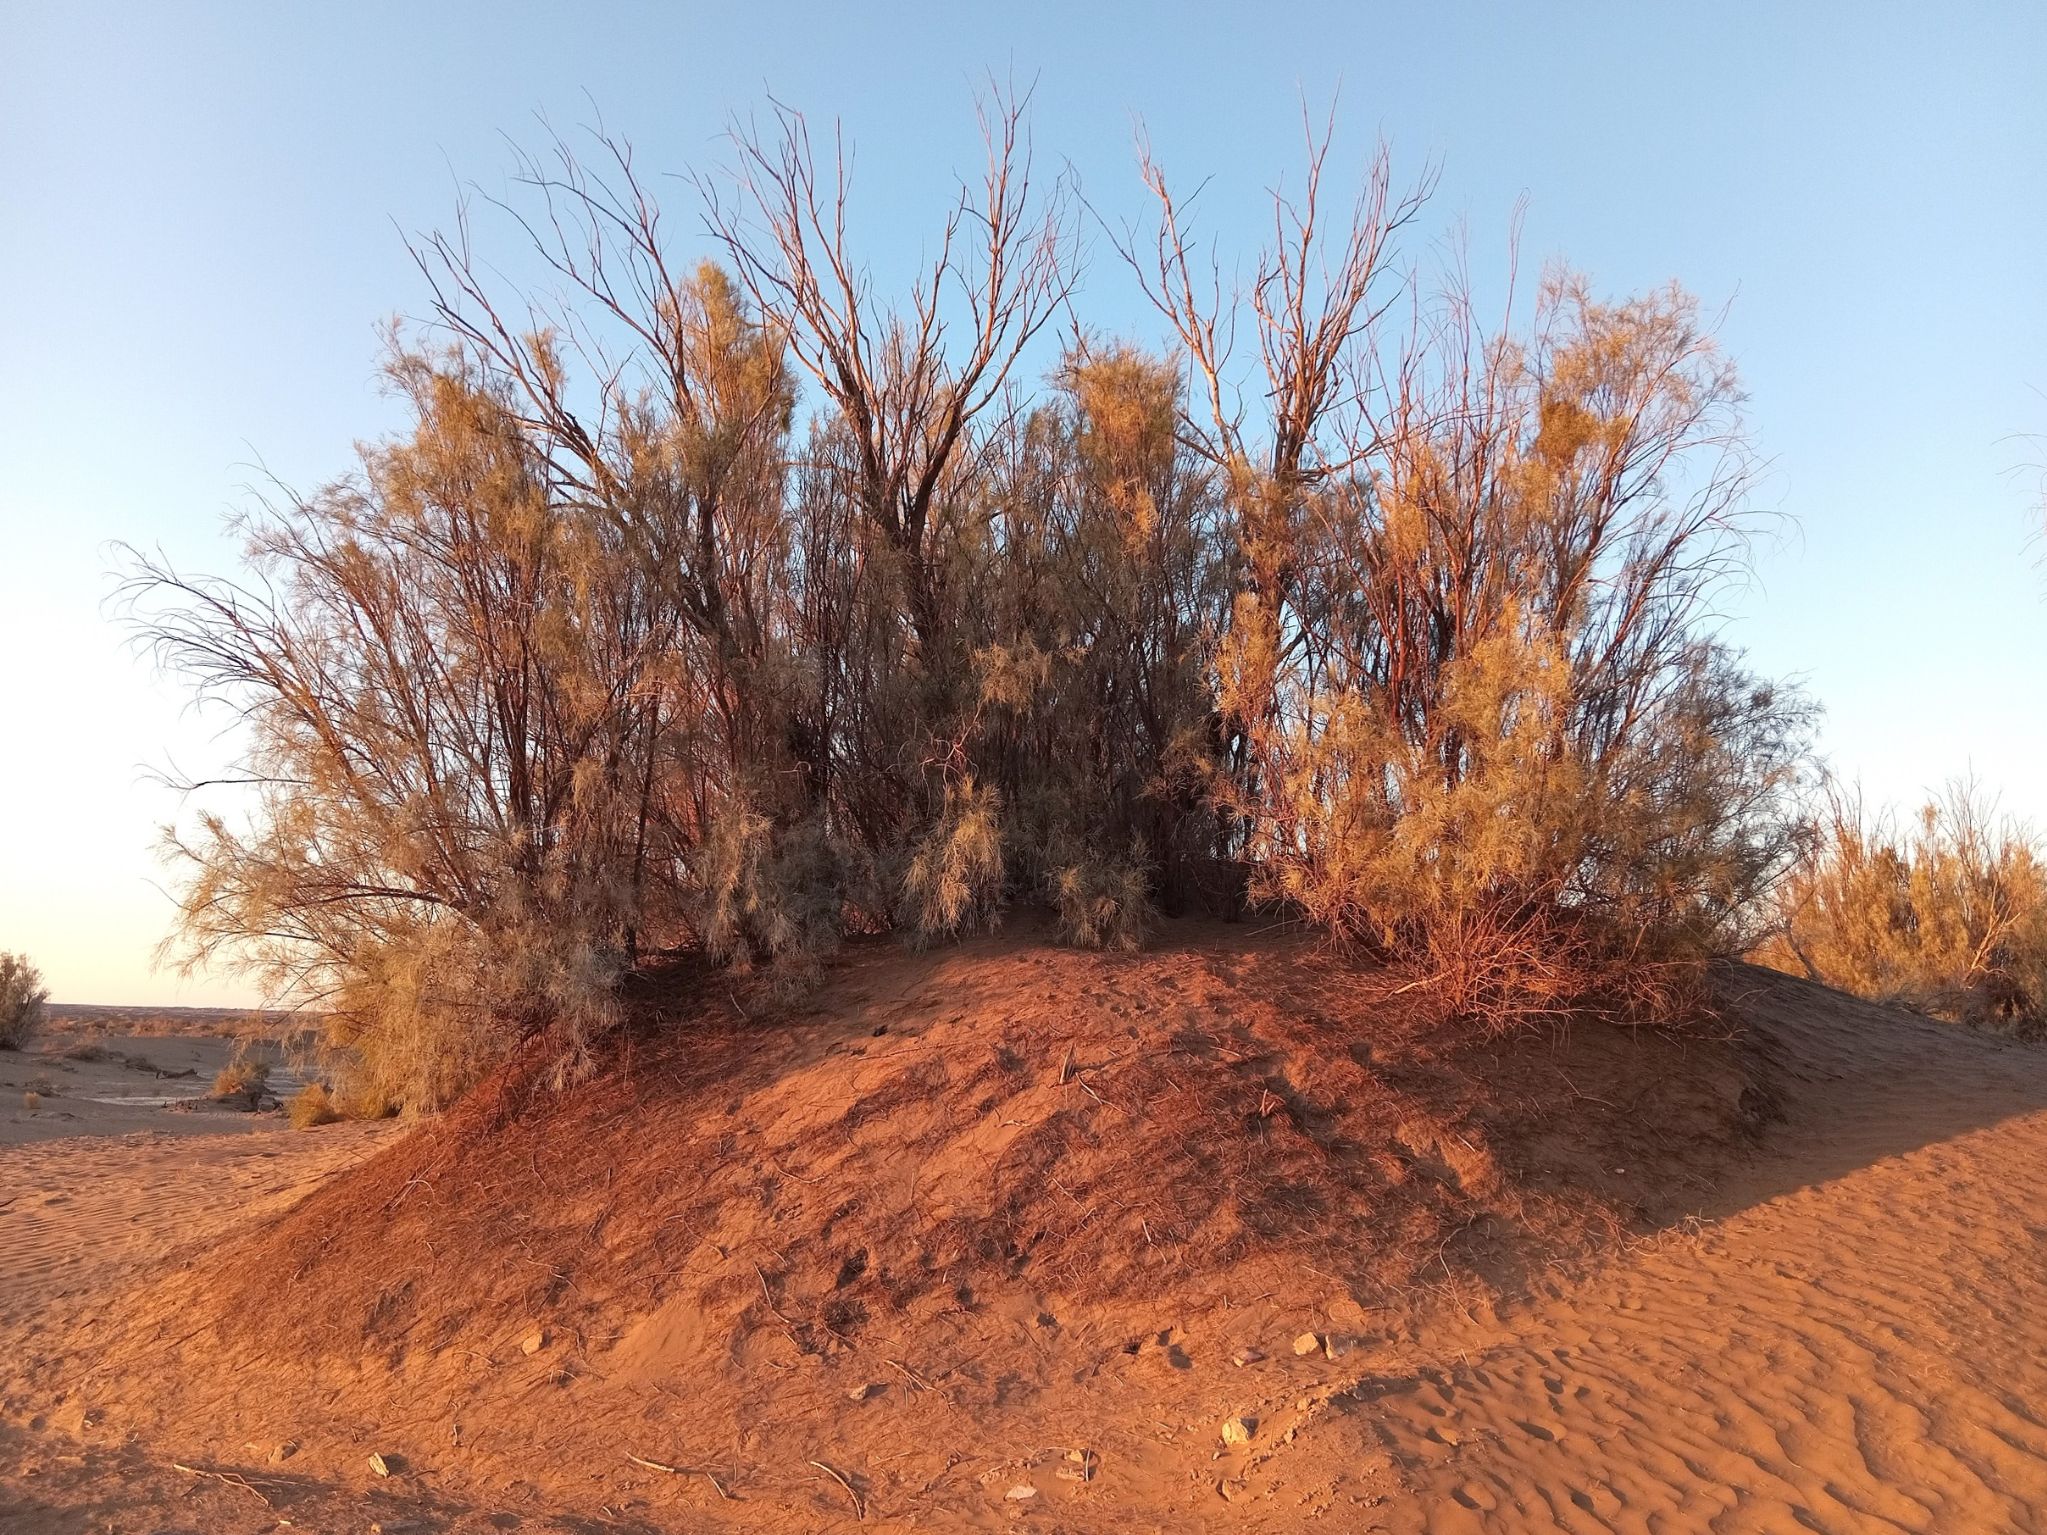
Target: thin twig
(907, 1373)
(859, 1503)
(655, 1465)
(230, 1478)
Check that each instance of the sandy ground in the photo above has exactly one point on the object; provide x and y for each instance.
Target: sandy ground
(1851, 1337)
(110, 1085)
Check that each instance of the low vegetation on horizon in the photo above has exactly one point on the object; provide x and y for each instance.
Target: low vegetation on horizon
(731, 605)
(23, 999)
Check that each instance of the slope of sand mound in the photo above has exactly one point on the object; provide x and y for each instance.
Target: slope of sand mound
(1225, 1236)
(997, 1216)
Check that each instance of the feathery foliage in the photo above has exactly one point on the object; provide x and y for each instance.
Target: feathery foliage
(1946, 913)
(631, 645)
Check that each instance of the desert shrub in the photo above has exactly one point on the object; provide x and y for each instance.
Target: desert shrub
(1102, 903)
(311, 1106)
(954, 881)
(245, 1076)
(1474, 716)
(625, 645)
(22, 995)
(426, 1013)
(1945, 913)
(770, 896)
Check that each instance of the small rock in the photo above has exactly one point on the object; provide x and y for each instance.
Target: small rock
(381, 1464)
(1307, 1343)
(1222, 1489)
(534, 1341)
(284, 1452)
(862, 1392)
(1244, 1356)
(1335, 1347)
(1023, 1492)
(1239, 1430)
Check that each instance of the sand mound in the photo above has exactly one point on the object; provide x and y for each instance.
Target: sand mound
(1002, 1115)
(1846, 1339)
(976, 1215)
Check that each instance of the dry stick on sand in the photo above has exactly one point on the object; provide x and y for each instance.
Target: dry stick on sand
(230, 1478)
(859, 1503)
(655, 1465)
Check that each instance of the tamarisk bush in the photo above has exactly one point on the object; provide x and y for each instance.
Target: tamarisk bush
(731, 607)
(1945, 913)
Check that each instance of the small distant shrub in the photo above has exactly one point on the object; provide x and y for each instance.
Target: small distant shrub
(84, 1051)
(242, 1077)
(311, 1105)
(1102, 903)
(32, 1101)
(22, 995)
(1946, 915)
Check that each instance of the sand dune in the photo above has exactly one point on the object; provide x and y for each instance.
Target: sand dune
(1848, 1337)
(1863, 1353)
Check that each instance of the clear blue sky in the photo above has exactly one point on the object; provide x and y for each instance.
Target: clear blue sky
(200, 235)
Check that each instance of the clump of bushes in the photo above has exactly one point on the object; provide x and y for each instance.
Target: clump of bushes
(245, 1077)
(318, 1104)
(1407, 634)
(311, 1106)
(1102, 903)
(1945, 913)
(22, 995)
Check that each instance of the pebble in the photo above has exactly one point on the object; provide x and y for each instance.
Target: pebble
(1239, 1430)
(1307, 1343)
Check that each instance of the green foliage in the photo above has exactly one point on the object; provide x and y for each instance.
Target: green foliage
(22, 995)
(771, 896)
